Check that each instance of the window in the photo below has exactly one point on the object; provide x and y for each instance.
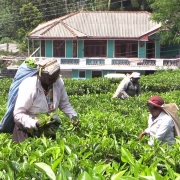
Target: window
(74, 48)
(150, 50)
(59, 48)
(96, 74)
(43, 48)
(95, 48)
(82, 74)
(126, 48)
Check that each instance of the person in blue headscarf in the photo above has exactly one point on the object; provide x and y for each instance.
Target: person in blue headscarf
(41, 93)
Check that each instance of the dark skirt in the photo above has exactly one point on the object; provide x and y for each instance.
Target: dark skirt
(49, 131)
(19, 135)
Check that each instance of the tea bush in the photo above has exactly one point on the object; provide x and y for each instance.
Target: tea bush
(105, 145)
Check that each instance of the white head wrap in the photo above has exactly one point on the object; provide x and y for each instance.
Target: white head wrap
(49, 66)
(135, 75)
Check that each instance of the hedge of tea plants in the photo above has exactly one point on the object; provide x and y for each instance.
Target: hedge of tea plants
(105, 146)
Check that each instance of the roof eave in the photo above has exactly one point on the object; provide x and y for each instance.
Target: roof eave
(145, 36)
(84, 37)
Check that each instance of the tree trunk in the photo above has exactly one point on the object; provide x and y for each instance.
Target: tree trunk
(109, 5)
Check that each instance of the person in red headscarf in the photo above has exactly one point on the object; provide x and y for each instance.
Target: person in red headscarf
(160, 124)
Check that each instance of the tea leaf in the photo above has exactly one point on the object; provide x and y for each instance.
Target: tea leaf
(46, 169)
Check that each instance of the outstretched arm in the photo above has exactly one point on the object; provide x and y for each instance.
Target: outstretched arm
(121, 90)
(66, 107)
(142, 134)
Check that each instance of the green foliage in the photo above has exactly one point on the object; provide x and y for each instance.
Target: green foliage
(46, 119)
(7, 25)
(161, 81)
(30, 63)
(5, 40)
(31, 16)
(105, 145)
(91, 86)
(167, 13)
(6, 53)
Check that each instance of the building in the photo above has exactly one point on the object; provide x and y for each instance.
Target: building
(94, 43)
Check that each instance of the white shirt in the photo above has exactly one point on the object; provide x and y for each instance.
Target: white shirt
(31, 101)
(161, 128)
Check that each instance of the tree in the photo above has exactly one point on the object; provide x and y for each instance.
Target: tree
(139, 5)
(167, 12)
(30, 18)
(7, 24)
(72, 6)
(51, 9)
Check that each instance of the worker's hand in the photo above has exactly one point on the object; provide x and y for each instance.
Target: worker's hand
(38, 124)
(55, 119)
(30, 131)
(49, 129)
(47, 122)
(41, 124)
(141, 135)
(75, 121)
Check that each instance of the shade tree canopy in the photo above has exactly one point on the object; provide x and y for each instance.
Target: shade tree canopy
(167, 12)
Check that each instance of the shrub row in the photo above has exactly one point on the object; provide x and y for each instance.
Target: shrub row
(160, 81)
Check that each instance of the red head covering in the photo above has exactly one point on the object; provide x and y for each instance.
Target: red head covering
(156, 101)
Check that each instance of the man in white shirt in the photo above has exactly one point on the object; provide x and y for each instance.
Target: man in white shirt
(160, 124)
(39, 94)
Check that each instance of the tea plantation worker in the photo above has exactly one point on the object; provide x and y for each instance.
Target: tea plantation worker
(41, 93)
(129, 86)
(160, 124)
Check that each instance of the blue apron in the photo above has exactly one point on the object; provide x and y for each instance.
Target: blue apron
(7, 122)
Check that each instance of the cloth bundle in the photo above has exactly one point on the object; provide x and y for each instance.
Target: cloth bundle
(172, 110)
(48, 66)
